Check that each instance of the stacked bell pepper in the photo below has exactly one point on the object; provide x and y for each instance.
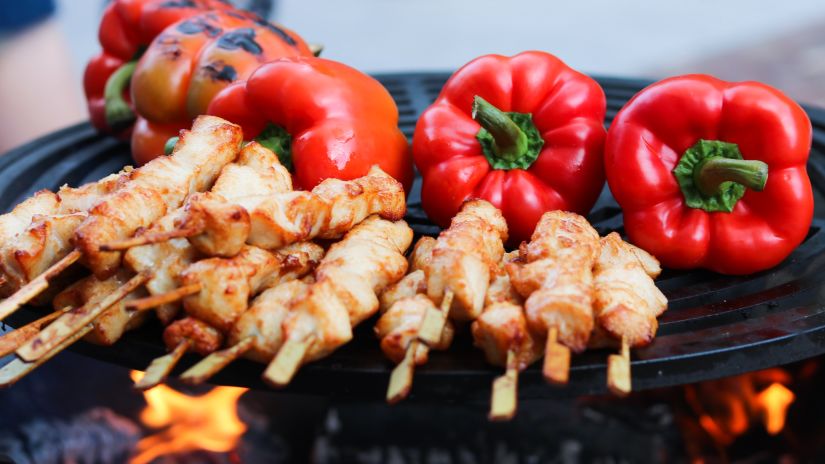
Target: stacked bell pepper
(176, 55)
(126, 29)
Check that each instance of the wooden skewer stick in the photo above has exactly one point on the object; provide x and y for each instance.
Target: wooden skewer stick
(68, 324)
(618, 371)
(142, 304)
(210, 365)
(402, 376)
(147, 239)
(11, 341)
(433, 322)
(162, 366)
(504, 399)
(18, 368)
(556, 359)
(36, 286)
(281, 370)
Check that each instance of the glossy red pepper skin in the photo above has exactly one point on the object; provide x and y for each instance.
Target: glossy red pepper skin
(193, 60)
(95, 76)
(568, 110)
(653, 130)
(341, 121)
(128, 26)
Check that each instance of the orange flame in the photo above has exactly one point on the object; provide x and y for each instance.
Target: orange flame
(773, 403)
(206, 422)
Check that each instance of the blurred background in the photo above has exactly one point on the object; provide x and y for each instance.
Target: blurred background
(781, 43)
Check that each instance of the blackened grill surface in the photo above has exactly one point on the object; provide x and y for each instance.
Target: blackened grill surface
(716, 325)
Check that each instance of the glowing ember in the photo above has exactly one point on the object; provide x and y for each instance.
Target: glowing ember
(774, 402)
(190, 423)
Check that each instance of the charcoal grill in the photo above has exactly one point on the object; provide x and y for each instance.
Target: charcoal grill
(716, 326)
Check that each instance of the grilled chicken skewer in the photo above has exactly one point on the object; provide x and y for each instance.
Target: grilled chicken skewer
(367, 260)
(220, 228)
(36, 231)
(140, 199)
(257, 333)
(457, 277)
(556, 281)
(159, 186)
(403, 306)
(226, 285)
(626, 304)
(256, 170)
(502, 333)
(464, 258)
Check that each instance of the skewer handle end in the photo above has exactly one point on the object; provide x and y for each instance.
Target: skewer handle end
(556, 360)
(281, 370)
(618, 372)
(402, 376)
(161, 367)
(505, 398)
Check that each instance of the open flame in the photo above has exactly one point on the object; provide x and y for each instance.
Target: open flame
(774, 402)
(727, 408)
(189, 423)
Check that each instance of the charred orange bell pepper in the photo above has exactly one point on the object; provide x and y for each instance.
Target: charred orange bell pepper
(323, 119)
(190, 62)
(126, 29)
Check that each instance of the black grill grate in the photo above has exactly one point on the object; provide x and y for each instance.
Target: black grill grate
(716, 325)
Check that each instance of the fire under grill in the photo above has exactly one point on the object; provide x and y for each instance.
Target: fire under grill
(716, 326)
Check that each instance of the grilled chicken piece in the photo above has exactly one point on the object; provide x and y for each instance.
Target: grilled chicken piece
(109, 326)
(465, 256)
(256, 169)
(262, 321)
(627, 301)
(398, 327)
(503, 325)
(332, 208)
(409, 286)
(403, 306)
(422, 254)
(204, 338)
(367, 260)
(156, 188)
(15, 221)
(413, 283)
(36, 233)
(165, 261)
(222, 223)
(556, 278)
(228, 283)
(36, 248)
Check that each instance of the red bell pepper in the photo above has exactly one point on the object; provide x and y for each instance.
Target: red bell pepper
(524, 133)
(711, 173)
(128, 27)
(324, 119)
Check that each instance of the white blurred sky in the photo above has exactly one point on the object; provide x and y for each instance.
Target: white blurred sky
(628, 38)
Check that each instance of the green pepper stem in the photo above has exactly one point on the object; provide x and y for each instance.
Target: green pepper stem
(509, 141)
(710, 173)
(117, 110)
(169, 146)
